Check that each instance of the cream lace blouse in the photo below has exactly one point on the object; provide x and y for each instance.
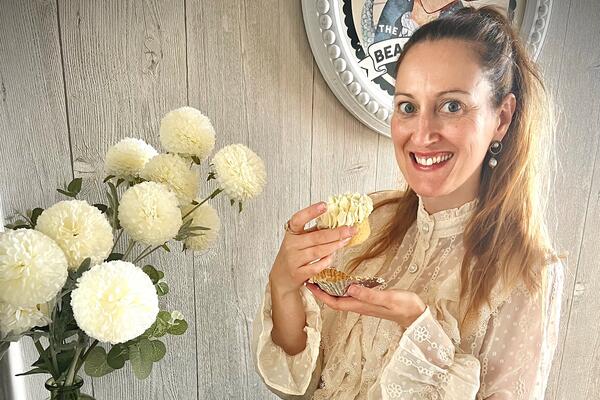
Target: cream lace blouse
(506, 353)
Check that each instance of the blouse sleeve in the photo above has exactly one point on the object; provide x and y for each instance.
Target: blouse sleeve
(290, 377)
(426, 364)
(520, 341)
(514, 361)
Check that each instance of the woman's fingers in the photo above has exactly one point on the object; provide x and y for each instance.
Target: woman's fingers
(322, 236)
(304, 216)
(313, 268)
(314, 253)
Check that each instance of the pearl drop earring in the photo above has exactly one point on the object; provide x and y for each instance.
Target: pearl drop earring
(495, 149)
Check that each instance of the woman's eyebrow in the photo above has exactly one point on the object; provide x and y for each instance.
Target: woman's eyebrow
(438, 94)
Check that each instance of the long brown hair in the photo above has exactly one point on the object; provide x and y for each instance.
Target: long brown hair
(507, 238)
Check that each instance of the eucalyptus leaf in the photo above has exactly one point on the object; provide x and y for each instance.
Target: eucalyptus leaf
(158, 350)
(178, 327)
(140, 356)
(115, 256)
(96, 364)
(118, 354)
(240, 204)
(164, 246)
(102, 207)
(196, 160)
(66, 193)
(152, 273)
(108, 178)
(75, 186)
(162, 288)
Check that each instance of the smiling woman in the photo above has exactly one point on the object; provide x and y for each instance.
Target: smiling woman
(471, 304)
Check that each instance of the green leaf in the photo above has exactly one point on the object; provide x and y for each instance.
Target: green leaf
(118, 354)
(162, 288)
(152, 273)
(66, 193)
(102, 207)
(196, 160)
(119, 181)
(141, 355)
(211, 175)
(96, 364)
(108, 178)
(240, 203)
(158, 350)
(160, 275)
(195, 203)
(166, 248)
(160, 326)
(34, 371)
(85, 265)
(114, 256)
(178, 327)
(35, 214)
(75, 186)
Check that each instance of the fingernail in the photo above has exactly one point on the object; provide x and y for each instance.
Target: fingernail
(344, 241)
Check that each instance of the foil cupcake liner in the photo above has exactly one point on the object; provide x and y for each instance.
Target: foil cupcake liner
(336, 283)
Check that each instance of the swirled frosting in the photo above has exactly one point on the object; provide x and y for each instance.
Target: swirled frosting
(345, 209)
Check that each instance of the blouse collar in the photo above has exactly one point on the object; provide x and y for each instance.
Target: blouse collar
(445, 222)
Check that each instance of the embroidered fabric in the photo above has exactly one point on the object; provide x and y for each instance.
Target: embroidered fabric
(505, 352)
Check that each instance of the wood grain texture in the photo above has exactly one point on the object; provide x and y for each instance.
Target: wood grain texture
(573, 64)
(248, 66)
(125, 68)
(34, 154)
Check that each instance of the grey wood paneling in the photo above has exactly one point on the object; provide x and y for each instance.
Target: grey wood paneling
(102, 70)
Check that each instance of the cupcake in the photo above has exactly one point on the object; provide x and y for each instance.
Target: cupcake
(336, 283)
(351, 209)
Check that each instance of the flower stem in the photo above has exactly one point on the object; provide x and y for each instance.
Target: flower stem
(116, 240)
(211, 196)
(129, 248)
(85, 355)
(142, 256)
(71, 373)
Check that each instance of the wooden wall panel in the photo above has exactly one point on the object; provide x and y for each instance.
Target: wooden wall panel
(249, 67)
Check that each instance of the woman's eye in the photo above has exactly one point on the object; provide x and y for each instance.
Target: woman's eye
(406, 108)
(452, 106)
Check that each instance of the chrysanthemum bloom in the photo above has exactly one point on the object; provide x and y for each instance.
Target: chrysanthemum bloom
(16, 320)
(127, 158)
(175, 173)
(188, 132)
(33, 268)
(80, 230)
(149, 213)
(114, 302)
(239, 172)
(205, 216)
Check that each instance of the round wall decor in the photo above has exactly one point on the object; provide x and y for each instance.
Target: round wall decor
(356, 43)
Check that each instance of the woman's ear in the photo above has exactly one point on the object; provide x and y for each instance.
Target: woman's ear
(505, 113)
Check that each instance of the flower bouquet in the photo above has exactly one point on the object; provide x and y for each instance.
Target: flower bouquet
(64, 285)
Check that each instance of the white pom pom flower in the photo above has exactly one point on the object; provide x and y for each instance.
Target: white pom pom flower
(16, 320)
(188, 132)
(175, 173)
(33, 268)
(114, 302)
(80, 230)
(206, 216)
(127, 158)
(149, 213)
(239, 172)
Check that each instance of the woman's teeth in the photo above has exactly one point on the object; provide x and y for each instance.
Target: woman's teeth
(432, 160)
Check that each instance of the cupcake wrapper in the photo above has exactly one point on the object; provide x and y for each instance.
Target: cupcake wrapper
(336, 283)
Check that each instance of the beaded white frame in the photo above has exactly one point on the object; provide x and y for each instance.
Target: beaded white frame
(325, 28)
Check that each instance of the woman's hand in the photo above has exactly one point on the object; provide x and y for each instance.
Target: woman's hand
(400, 306)
(304, 255)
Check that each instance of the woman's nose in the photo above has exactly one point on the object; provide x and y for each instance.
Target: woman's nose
(426, 130)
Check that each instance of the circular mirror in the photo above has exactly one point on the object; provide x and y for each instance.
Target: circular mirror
(356, 43)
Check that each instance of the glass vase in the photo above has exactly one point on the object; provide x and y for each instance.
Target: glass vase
(58, 390)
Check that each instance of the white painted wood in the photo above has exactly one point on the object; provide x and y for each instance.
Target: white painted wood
(248, 66)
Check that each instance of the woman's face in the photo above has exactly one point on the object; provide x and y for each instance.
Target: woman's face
(443, 115)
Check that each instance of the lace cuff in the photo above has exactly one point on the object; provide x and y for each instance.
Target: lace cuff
(425, 363)
(280, 371)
